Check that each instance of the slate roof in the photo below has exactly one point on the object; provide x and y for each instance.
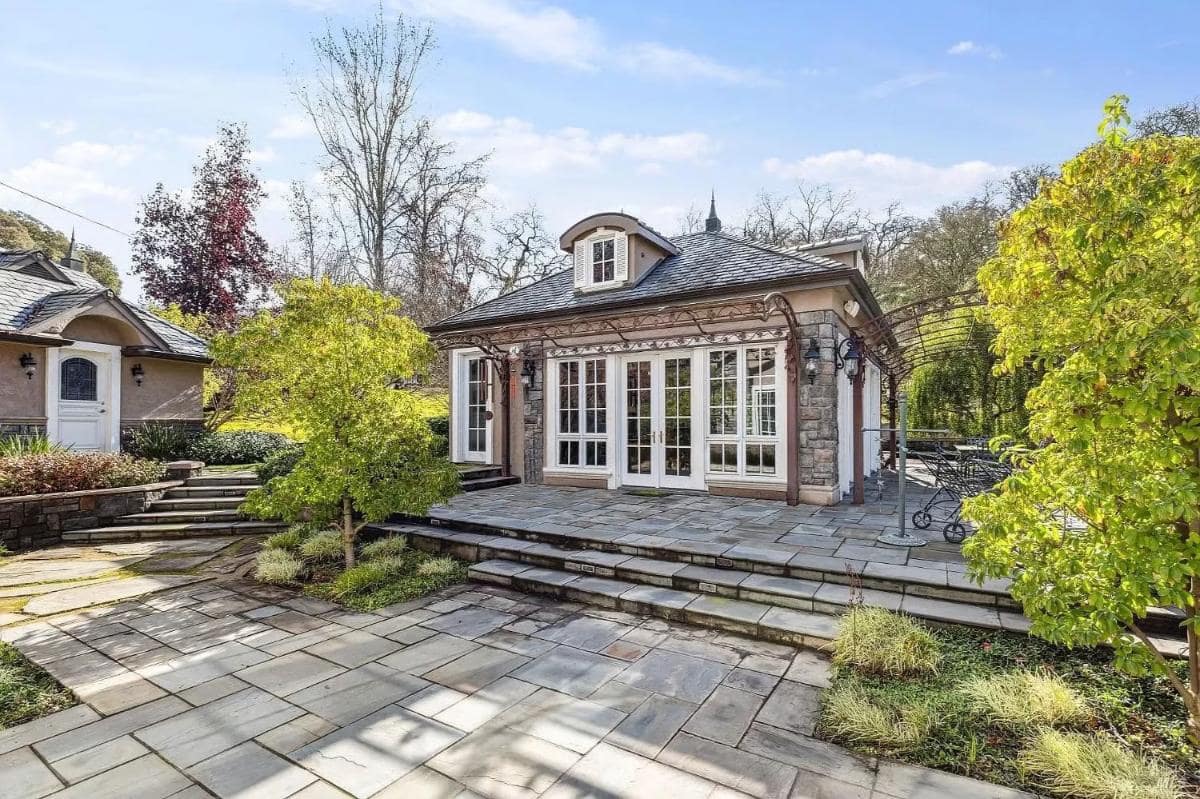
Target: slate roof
(707, 261)
(26, 300)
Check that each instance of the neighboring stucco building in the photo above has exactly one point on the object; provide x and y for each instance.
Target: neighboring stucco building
(80, 365)
(701, 362)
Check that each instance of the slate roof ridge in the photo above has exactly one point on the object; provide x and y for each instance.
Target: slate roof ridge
(789, 253)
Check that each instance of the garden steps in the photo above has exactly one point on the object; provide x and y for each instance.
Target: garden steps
(208, 492)
(741, 586)
(151, 532)
(768, 622)
(478, 478)
(199, 503)
(240, 479)
(157, 516)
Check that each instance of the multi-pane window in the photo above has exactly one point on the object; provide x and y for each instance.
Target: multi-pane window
(677, 416)
(639, 435)
(604, 261)
(477, 402)
(743, 394)
(77, 379)
(582, 435)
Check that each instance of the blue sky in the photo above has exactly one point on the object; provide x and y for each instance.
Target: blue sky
(589, 106)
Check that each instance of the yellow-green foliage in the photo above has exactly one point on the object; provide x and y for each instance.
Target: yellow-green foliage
(1026, 698)
(879, 641)
(293, 537)
(324, 546)
(1092, 767)
(367, 576)
(390, 547)
(438, 567)
(851, 715)
(277, 566)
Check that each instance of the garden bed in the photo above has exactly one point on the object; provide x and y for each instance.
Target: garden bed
(26, 691)
(942, 719)
(387, 570)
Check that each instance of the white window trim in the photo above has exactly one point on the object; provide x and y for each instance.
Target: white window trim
(599, 235)
(553, 433)
(742, 438)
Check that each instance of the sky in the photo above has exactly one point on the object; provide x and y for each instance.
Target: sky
(644, 107)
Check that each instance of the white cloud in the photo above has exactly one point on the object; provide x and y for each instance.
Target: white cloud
(59, 127)
(74, 172)
(517, 146)
(544, 33)
(879, 178)
(669, 62)
(533, 32)
(291, 126)
(968, 47)
(87, 153)
(901, 83)
(262, 155)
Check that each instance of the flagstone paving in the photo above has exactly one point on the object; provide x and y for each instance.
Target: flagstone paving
(232, 689)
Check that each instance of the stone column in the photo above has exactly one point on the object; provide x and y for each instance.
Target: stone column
(533, 408)
(818, 434)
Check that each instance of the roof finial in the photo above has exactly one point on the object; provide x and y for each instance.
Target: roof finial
(713, 223)
(70, 249)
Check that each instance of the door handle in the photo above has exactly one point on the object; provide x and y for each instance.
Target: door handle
(103, 411)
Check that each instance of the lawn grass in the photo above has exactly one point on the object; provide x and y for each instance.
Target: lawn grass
(1143, 713)
(26, 691)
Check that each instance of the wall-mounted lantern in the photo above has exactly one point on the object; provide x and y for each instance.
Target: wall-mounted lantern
(29, 364)
(812, 360)
(847, 356)
(139, 374)
(528, 370)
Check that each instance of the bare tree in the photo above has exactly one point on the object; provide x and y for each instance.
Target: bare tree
(1023, 184)
(819, 213)
(313, 252)
(524, 251)
(399, 189)
(692, 220)
(1175, 120)
(769, 221)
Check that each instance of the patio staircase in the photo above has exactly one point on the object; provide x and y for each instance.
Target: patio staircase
(741, 588)
(479, 478)
(204, 506)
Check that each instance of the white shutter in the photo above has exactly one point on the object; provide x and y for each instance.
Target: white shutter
(621, 251)
(583, 252)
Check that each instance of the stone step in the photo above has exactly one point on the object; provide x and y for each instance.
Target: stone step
(174, 516)
(769, 559)
(478, 472)
(482, 483)
(229, 479)
(797, 594)
(153, 532)
(768, 622)
(198, 504)
(197, 492)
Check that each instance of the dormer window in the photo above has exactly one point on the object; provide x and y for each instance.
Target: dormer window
(604, 261)
(601, 259)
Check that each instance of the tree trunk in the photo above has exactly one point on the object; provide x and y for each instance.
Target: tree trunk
(348, 532)
(1193, 638)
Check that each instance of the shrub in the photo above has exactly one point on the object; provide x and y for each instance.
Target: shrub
(439, 567)
(1025, 698)
(879, 641)
(392, 546)
(1094, 767)
(440, 427)
(292, 538)
(277, 566)
(237, 446)
(280, 462)
(74, 471)
(324, 546)
(368, 576)
(159, 441)
(18, 446)
(850, 714)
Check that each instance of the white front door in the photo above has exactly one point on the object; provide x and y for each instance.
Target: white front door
(658, 426)
(83, 389)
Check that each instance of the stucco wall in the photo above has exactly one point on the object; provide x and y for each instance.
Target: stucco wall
(22, 401)
(171, 390)
(102, 328)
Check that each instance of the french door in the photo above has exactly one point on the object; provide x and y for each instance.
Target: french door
(473, 410)
(659, 429)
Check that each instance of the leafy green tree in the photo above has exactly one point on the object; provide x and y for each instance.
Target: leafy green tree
(20, 231)
(1097, 282)
(328, 362)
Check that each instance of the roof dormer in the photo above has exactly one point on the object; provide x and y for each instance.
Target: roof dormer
(612, 250)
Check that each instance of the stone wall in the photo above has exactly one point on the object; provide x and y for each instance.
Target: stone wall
(22, 429)
(818, 413)
(533, 412)
(39, 520)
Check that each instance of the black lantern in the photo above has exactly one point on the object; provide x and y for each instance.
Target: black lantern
(29, 364)
(847, 356)
(139, 374)
(528, 369)
(812, 360)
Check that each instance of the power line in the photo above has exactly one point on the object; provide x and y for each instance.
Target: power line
(67, 210)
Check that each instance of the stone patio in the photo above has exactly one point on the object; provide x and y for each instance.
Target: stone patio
(227, 688)
(846, 533)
